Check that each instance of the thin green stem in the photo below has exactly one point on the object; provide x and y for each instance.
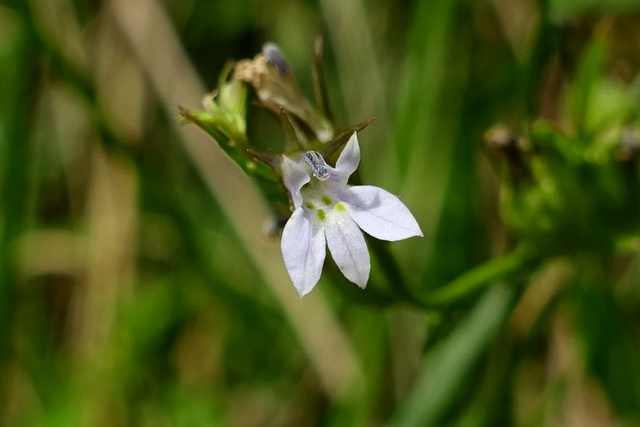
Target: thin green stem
(17, 106)
(77, 78)
(373, 296)
(457, 290)
(391, 270)
(480, 277)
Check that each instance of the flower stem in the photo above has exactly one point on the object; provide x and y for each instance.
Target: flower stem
(480, 277)
(392, 273)
(17, 107)
(457, 290)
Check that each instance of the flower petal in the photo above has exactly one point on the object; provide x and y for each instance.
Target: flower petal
(347, 246)
(381, 214)
(294, 176)
(303, 250)
(349, 159)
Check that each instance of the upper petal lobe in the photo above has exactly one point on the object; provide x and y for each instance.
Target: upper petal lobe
(294, 176)
(349, 159)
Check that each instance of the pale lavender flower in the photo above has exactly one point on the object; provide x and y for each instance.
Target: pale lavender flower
(328, 212)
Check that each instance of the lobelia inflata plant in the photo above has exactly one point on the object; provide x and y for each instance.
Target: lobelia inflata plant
(326, 210)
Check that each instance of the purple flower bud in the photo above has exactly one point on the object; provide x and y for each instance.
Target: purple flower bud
(274, 56)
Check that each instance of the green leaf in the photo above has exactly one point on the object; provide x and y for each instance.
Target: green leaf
(446, 366)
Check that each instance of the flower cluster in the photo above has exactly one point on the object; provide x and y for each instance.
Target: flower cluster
(328, 212)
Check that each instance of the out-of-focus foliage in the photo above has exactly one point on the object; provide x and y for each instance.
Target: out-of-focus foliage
(140, 276)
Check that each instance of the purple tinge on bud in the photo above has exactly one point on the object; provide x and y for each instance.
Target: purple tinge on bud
(274, 56)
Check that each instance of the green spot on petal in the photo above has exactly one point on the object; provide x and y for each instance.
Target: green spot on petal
(340, 207)
(321, 214)
(309, 205)
(326, 200)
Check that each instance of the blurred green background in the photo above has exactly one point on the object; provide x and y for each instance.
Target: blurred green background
(138, 286)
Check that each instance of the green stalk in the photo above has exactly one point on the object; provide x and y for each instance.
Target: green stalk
(392, 273)
(464, 286)
(15, 169)
(480, 277)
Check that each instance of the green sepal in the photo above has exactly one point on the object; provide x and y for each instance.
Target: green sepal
(291, 142)
(330, 148)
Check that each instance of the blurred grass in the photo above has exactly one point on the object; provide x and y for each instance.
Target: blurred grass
(137, 287)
